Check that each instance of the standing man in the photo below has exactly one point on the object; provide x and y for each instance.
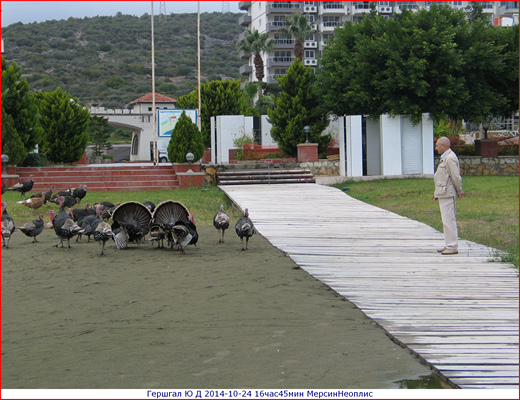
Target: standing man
(448, 186)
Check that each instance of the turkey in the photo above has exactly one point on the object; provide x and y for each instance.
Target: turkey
(68, 201)
(33, 202)
(46, 195)
(7, 226)
(85, 223)
(166, 216)
(33, 228)
(181, 235)
(245, 228)
(131, 223)
(221, 222)
(77, 213)
(193, 230)
(54, 198)
(107, 208)
(23, 187)
(101, 231)
(64, 226)
(80, 192)
(149, 205)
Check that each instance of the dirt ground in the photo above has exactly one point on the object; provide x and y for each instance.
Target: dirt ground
(154, 318)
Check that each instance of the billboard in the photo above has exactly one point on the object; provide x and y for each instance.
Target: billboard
(167, 119)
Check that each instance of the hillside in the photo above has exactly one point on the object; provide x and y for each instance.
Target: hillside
(107, 60)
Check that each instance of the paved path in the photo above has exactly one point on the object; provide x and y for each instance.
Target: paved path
(458, 313)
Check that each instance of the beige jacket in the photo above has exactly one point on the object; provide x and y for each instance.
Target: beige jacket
(448, 182)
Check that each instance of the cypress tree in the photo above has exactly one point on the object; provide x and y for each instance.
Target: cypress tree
(186, 138)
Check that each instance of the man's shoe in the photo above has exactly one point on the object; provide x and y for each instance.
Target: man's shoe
(448, 252)
(441, 250)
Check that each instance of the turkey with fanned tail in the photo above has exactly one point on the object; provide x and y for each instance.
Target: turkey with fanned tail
(131, 223)
(245, 228)
(165, 217)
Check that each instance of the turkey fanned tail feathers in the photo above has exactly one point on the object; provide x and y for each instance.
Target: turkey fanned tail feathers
(134, 219)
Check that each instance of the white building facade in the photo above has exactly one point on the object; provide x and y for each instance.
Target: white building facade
(269, 16)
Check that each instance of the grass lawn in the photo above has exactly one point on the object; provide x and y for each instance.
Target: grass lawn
(488, 214)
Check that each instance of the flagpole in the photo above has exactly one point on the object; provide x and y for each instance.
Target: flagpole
(153, 98)
(198, 62)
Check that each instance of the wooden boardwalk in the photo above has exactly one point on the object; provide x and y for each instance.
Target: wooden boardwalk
(458, 313)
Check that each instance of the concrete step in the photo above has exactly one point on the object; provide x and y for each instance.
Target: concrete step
(242, 177)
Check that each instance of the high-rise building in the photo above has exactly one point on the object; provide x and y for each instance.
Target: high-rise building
(270, 16)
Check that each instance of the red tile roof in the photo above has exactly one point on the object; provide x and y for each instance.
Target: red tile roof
(159, 98)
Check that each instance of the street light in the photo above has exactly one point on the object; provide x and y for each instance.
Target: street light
(307, 130)
(190, 157)
(5, 159)
(486, 125)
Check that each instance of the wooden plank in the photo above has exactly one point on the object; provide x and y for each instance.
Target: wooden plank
(459, 313)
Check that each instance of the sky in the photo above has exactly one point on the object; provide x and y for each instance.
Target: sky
(38, 11)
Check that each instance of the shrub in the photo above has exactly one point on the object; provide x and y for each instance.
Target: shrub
(35, 160)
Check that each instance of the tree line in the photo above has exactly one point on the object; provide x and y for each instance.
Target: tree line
(435, 61)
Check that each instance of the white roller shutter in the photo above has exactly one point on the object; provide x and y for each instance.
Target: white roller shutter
(411, 146)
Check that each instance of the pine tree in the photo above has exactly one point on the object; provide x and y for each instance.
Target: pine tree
(298, 106)
(186, 138)
(100, 132)
(12, 145)
(65, 124)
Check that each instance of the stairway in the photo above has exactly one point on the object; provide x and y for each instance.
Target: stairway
(265, 176)
(109, 177)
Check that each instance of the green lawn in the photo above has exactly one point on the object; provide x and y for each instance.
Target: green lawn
(488, 214)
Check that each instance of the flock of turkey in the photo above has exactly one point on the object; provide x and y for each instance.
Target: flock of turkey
(132, 221)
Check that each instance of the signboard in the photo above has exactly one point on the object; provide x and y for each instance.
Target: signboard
(167, 119)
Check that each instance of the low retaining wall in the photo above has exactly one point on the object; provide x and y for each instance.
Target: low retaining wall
(473, 165)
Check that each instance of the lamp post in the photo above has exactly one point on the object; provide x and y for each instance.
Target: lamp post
(486, 125)
(190, 157)
(5, 159)
(307, 130)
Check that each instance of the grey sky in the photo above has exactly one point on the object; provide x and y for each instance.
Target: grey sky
(38, 11)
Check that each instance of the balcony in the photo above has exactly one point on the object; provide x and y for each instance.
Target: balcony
(284, 43)
(283, 8)
(272, 78)
(310, 44)
(275, 25)
(330, 26)
(244, 20)
(328, 9)
(246, 69)
(244, 5)
(243, 55)
(279, 62)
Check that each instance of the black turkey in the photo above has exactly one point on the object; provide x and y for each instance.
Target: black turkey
(193, 230)
(149, 205)
(107, 208)
(166, 216)
(68, 201)
(67, 192)
(77, 213)
(7, 226)
(85, 224)
(23, 187)
(33, 228)
(64, 226)
(131, 223)
(80, 192)
(245, 228)
(221, 222)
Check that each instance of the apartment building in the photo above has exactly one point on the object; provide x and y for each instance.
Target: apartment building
(269, 16)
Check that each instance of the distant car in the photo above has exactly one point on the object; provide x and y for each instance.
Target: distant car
(163, 157)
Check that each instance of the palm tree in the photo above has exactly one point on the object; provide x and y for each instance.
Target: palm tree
(299, 27)
(256, 43)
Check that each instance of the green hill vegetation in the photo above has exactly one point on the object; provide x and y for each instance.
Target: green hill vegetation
(106, 61)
